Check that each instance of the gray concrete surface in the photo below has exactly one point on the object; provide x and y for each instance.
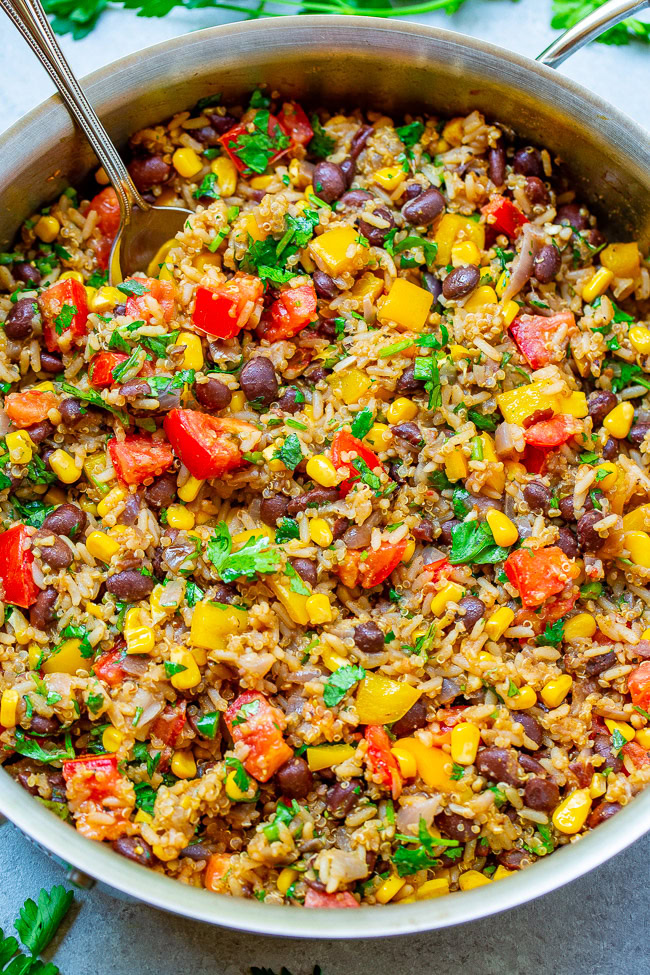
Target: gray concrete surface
(597, 925)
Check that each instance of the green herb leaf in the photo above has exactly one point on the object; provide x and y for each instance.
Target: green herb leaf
(172, 668)
(362, 423)
(473, 543)
(64, 319)
(290, 453)
(410, 134)
(286, 530)
(242, 780)
(481, 421)
(31, 749)
(90, 396)
(340, 683)
(133, 287)
(38, 923)
(208, 724)
(31, 512)
(553, 634)
(295, 582)
(321, 145)
(193, 593)
(257, 555)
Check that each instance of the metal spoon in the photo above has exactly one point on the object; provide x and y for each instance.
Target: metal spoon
(143, 228)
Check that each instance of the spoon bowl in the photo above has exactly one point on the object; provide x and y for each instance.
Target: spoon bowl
(139, 240)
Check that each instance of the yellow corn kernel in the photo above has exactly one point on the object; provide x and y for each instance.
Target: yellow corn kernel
(368, 286)
(405, 304)
(509, 311)
(401, 410)
(554, 692)
(499, 622)
(293, 602)
(112, 738)
(193, 355)
(251, 227)
(321, 469)
(465, 738)
(390, 887)
(191, 676)
(71, 276)
(105, 298)
(458, 352)
(101, 177)
(501, 873)
(273, 463)
(640, 339)
(350, 385)
(389, 178)
(139, 638)
(517, 404)
(623, 728)
(64, 467)
(164, 601)
(472, 879)
(286, 876)
(485, 658)
(320, 532)
(142, 817)
(164, 853)
(571, 814)
(465, 252)
(20, 446)
(379, 436)
(453, 131)
(438, 887)
(598, 785)
(619, 420)
(207, 260)
(183, 764)
(33, 656)
(47, 229)
(481, 298)
(525, 699)
(331, 659)
(178, 516)
(381, 700)
(504, 530)
(597, 284)
(638, 546)
(308, 410)
(409, 550)
(90, 295)
(331, 249)
(261, 182)
(623, 260)
(638, 519)
(607, 476)
(9, 707)
(642, 737)
(579, 627)
(187, 163)
(442, 145)
(319, 609)
(226, 172)
(453, 227)
(213, 623)
(109, 501)
(67, 660)
(451, 593)
(101, 546)
(406, 762)
(190, 489)
(327, 756)
(456, 466)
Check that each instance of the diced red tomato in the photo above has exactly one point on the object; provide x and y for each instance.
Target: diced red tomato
(317, 898)
(554, 432)
(29, 407)
(101, 799)
(16, 561)
(539, 574)
(226, 310)
(169, 724)
(159, 295)
(534, 459)
(293, 310)
(345, 443)
(216, 870)
(62, 329)
(100, 769)
(101, 245)
(381, 760)
(236, 140)
(553, 610)
(107, 207)
(638, 684)
(534, 335)
(508, 218)
(138, 457)
(636, 754)
(100, 371)
(441, 569)
(293, 120)
(372, 570)
(209, 446)
(253, 720)
(109, 667)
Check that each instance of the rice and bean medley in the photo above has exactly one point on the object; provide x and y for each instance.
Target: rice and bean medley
(326, 540)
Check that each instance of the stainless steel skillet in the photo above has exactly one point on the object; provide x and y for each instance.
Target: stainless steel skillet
(394, 67)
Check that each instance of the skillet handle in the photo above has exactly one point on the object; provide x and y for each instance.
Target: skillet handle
(610, 14)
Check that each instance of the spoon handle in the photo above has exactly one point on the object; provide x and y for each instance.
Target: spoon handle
(30, 19)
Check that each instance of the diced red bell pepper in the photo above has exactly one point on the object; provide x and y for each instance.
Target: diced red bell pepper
(138, 457)
(99, 797)
(226, 310)
(109, 667)
(318, 898)
(508, 218)
(100, 772)
(218, 866)
(16, 561)
(636, 754)
(209, 446)
(293, 311)
(30, 406)
(638, 684)
(534, 335)
(169, 724)
(345, 443)
(253, 720)
(441, 569)
(552, 433)
(539, 574)
(534, 459)
(100, 371)
(381, 760)
(107, 207)
(62, 328)
(237, 143)
(293, 119)
(159, 295)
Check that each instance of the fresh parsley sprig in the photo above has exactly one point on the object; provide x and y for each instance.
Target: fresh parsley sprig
(36, 926)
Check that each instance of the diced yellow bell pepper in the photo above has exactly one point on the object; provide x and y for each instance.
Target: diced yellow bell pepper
(481, 298)
(453, 227)
(406, 304)
(437, 887)
(330, 249)
(368, 286)
(389, 178)
(517, 404)
(623, 260)
(294, 603)
(67, 660)
(390, 887)
(456, 465)
(213, 623)
(434, 765)
(638, 519)
(349, 385)
(381, 700)
(327, 756)
(472, 879)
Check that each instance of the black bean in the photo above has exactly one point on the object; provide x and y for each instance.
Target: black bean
(377, 235)
(412, 190)
(499, 764)
(424, 209)
(528, 162)
(407, 383)
(446, 530)
(567, 542)
(497, 164)
(461, 281)
(530, 764)
(306, 569)
(41, 612)
(222, 123)
(414, 719)
(343, 797)
(131, 510)
(536, 190)
(547, 263)
(40, 431)
(565, 505)
(135, 389)
(531, 726)
(119, 309)
(259, 380)
(410, 433)
(348, 167)
(355, 198)
(588, 538)
(541, 794)
(197, 851)
(312, 499)
(455, 827)
(130, 585)
(19, 322)
(611, 449)
(603, 811)
(26, 273)
(359, 139)
(324, 285)
(67, 519)
(134, 848)
(537, 496)
(424, 531)
(596, 665)
(573, 216)
(369, 638)
(515, 859)
(56, 554)
(432, 284)
(474, 611)
(328, 181)
(273, 508)
(147, 171)
(213, 394)
(291, 401)
(70, 409)
(394, 471)
(40, 725)
(602, 746)
(223, 593)
(601, 403)
(294, 778)
(162, 492)
(637, 433)
(51, 363)
(207, 135)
